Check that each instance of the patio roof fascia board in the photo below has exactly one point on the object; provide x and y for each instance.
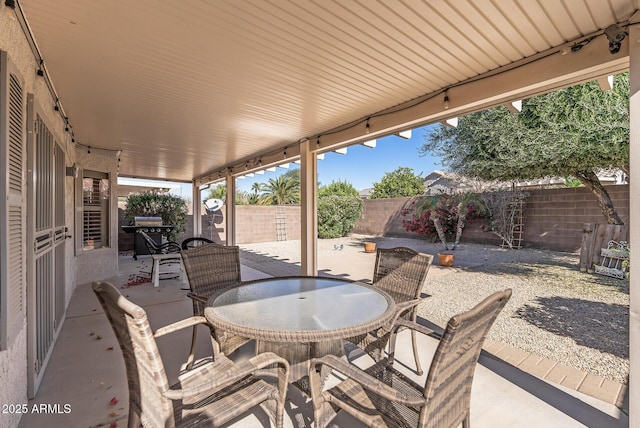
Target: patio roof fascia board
(258, 162)
(544, 72)
(551, 71)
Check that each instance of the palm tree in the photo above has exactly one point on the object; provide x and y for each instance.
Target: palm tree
(467, 202)
(284, 189)
(458, 206)
(432, 204)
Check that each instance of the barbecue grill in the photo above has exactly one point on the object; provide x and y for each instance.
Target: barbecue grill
(152, 226)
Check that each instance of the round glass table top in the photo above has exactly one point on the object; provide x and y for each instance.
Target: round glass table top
(300, 308)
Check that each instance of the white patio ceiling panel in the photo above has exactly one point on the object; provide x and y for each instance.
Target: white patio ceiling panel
(184, 88)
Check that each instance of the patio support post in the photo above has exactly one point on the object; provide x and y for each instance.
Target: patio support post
(197, 210)
(309, 212)
(634, 227)
(230, 204)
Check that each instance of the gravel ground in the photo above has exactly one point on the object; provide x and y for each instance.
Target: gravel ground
(577, 319)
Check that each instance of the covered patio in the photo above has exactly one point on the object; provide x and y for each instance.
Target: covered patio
(87, 371)
(206, 92)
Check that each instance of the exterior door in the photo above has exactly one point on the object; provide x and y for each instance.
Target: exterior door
(45, 239)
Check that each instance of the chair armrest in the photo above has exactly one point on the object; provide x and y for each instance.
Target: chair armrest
(401, 308)
(415, 327)
(211, 381)
(197, 298)
(365, 380)
(409, 304)
(188, 322)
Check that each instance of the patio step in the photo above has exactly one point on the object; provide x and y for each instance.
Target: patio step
(595, 386)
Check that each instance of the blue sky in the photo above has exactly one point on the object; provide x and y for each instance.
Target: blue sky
(361, 166)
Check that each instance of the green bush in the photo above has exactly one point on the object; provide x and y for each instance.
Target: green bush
(172, 209)
(337, 215)
(340, 188)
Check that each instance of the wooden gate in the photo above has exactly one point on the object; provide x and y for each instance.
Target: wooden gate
(594, 238)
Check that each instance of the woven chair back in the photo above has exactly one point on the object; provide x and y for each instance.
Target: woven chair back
(401, 272)
(211, 267)
(146, 376)
(448, 385)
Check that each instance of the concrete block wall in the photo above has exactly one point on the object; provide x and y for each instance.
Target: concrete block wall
(255, 223)
(554, 218)
(384, 217)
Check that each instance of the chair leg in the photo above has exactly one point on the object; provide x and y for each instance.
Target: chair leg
(134, 419)
(192, 352)
(155, 272)
(415, 353)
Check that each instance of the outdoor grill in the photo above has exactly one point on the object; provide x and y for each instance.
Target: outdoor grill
(152, 226)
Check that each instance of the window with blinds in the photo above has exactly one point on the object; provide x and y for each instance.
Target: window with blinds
(95, 204)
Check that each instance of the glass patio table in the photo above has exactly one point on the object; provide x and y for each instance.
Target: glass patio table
(300, 318)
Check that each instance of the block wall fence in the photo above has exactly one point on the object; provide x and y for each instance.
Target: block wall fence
(553, 220)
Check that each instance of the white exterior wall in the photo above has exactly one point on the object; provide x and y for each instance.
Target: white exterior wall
(13, 360)
(102, 263)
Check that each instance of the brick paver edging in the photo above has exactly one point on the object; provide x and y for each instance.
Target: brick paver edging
(544, 368)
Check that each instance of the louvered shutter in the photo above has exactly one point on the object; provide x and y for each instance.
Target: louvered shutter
(12, 256)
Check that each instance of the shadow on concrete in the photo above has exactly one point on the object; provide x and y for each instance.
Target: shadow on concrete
(568, 404)
(269, 264)
(275, 266)
(571, 406)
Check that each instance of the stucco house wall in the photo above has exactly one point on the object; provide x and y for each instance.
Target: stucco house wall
(101, 263)
(98, 264)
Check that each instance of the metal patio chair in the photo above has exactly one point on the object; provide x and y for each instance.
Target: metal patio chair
(401, 272)
(209, 268)
(381, 396)
(194, 242)
(211, 394)
(159, 248)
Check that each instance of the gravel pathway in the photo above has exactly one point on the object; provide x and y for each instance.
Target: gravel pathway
(577, 319)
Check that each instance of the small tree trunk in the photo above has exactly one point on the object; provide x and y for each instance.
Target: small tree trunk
(436, 222)
(591, 181)
(462, 221)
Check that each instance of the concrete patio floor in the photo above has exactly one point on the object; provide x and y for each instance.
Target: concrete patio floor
(86, 370)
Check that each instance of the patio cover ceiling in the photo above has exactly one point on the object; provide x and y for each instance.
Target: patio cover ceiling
(186, 89)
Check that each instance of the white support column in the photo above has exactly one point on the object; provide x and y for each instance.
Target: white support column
(634, 227)
(196, 206)
(309, 211)
(230, 204)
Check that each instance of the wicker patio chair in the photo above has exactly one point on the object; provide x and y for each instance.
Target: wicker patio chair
(209, 395)
(401, 272)
(209, 268)
(195, 241)
(381, 396)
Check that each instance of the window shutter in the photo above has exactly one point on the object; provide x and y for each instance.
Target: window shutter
(95, 215)
(12, 254)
